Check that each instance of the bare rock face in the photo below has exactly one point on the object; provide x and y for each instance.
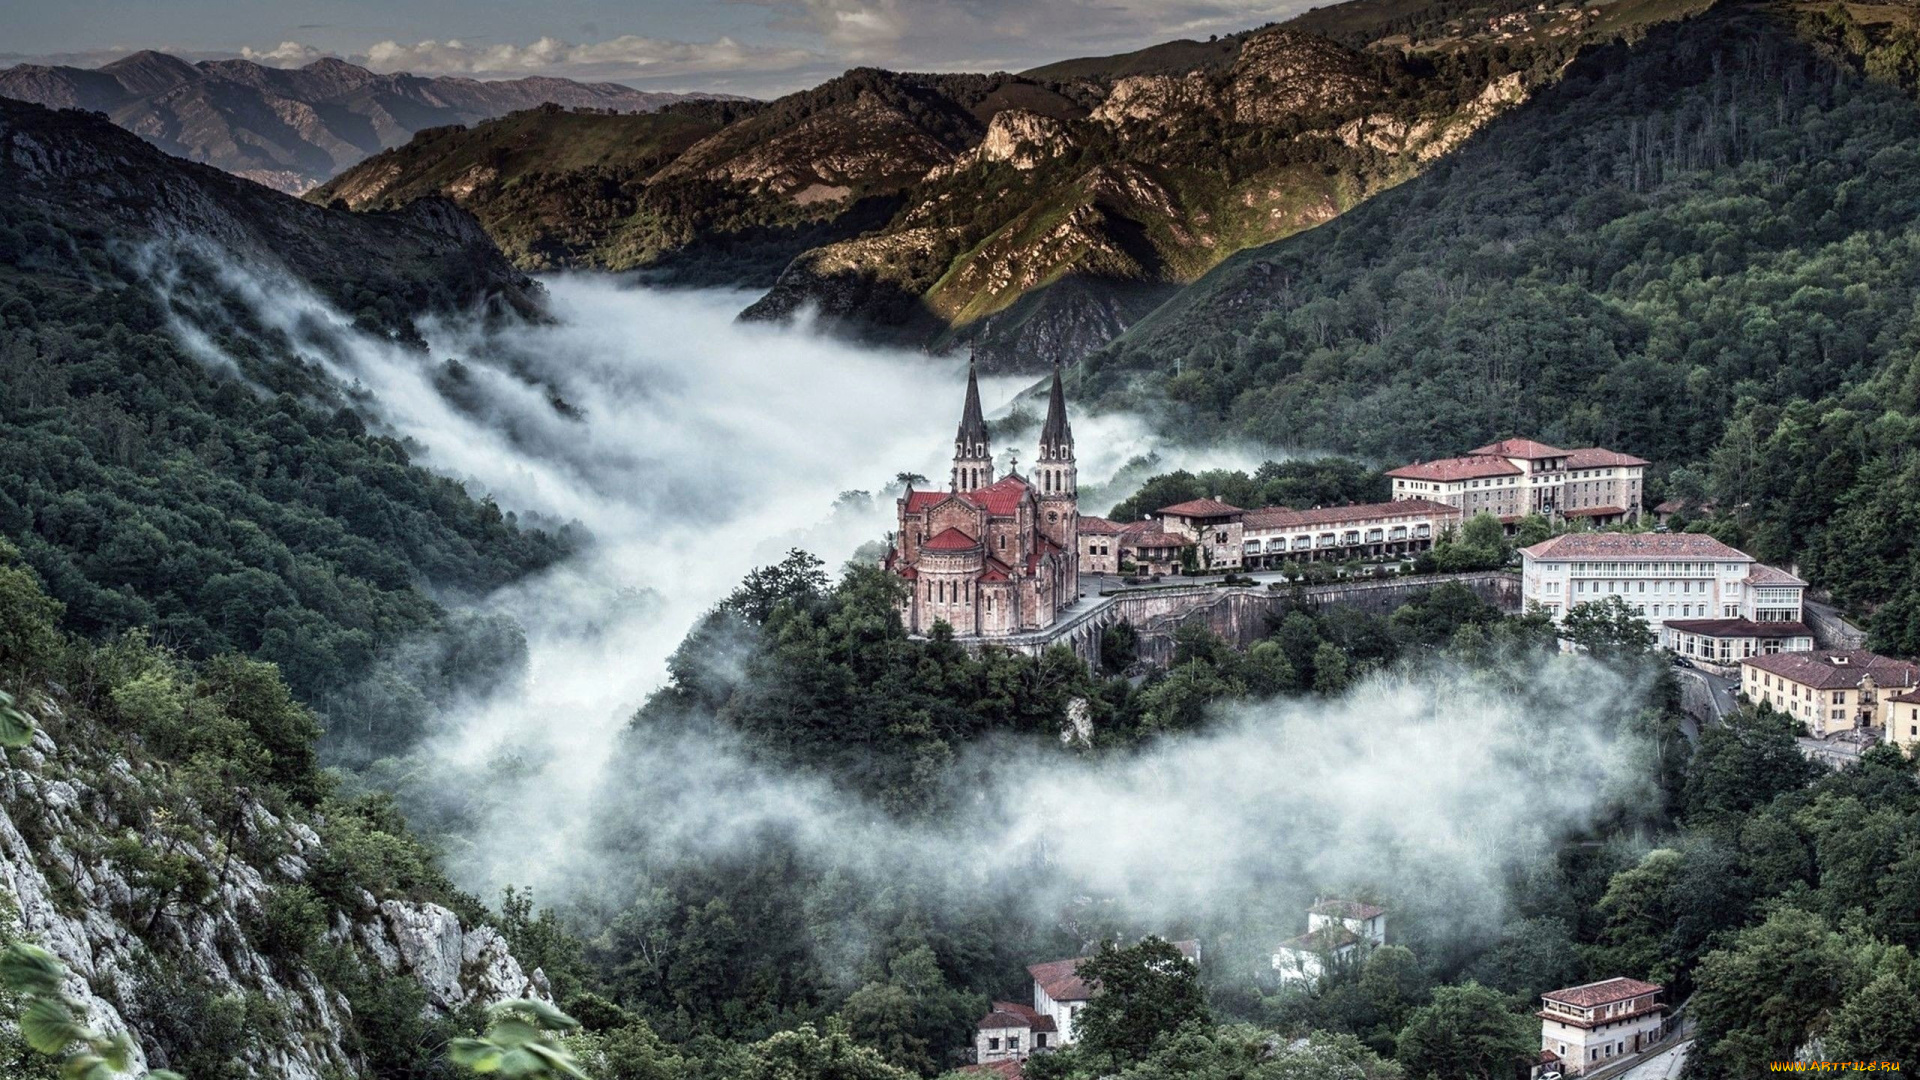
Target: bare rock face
(867, 141)
(457, 966)
(1285, 73)
(1023, 139)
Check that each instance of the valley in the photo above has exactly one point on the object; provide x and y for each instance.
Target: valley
(554, 593)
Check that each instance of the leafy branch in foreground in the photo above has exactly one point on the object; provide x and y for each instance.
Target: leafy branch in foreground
(51, 1022)
(520, 1041)
(16, 727)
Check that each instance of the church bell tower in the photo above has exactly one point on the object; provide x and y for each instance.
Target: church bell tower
(1056, 483)
(972, 456)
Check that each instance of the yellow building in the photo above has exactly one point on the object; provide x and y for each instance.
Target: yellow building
(1831, 691)
(1902, 718)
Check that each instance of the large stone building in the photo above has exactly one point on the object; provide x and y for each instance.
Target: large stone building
(1593, 1025)
(1516, 477)
(1835, 690)
(992, 556)
(1680, 577)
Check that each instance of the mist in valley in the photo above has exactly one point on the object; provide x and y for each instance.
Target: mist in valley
(689, 448)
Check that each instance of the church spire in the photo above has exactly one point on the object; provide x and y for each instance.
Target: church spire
(1056, 438)
(972, 456)
(973, 426)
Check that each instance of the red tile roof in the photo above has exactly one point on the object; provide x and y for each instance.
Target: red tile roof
(1279, 517)
(1061, 978)
(1011, 1069)
(1347, 909)
(1010, 1014)
(1762, 574)
(1587, 995)
(1002, 497)
(1594, 457)
(1447, 470)
(1595, 511)
(1201, 508)
(920, 500)
(950, 540)
(1837, 669)
(1153, 538)
(1098, 526)
(996, 570)
(1739, 628)
(1655, 546)
(1520, 448)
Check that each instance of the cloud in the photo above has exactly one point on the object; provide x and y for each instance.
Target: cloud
(1010, 34)
(285, 54)
(627, 56)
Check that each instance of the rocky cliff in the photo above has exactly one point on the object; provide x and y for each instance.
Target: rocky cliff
(93, 854)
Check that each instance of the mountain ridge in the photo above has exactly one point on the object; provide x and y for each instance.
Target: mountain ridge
(292, 128)
(1034, 215)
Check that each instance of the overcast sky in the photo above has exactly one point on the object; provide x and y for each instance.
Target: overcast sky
(760, 47)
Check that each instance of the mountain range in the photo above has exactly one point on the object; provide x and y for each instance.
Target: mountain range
(1036, 214)
(291, 128)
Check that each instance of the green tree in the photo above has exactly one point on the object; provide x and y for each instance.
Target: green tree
(1881, 1022)
(1609, 629)
(1467, 1032)
(1742, 764)
(1144, 992)
(1758, 997)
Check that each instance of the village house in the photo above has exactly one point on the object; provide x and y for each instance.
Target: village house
(1338, 932)
(1099, 546)
(1831, 691)
(1516, 477)
(992, 557)
(1012, 1032)
(1591, 1025)
(1688, 578)
(1213, 527)
(1274, 535)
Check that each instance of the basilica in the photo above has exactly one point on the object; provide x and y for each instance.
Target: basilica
(992, 557)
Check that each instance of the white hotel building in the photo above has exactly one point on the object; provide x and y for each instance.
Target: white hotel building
(1687, 586)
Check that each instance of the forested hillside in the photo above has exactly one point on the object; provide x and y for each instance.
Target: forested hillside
(243, 511)
(1696, 248)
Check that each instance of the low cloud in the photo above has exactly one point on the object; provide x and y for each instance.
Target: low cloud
(285, 54)
(1009, 34)
(625, 57)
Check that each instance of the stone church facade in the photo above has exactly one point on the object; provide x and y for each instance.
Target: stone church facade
(992, 556)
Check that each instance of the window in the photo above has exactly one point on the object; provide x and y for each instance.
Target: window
(993, 1043)
(1013, 1042)
(1040, 1040)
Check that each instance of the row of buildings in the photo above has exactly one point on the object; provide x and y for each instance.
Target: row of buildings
(1718, 608)
(995, 555)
